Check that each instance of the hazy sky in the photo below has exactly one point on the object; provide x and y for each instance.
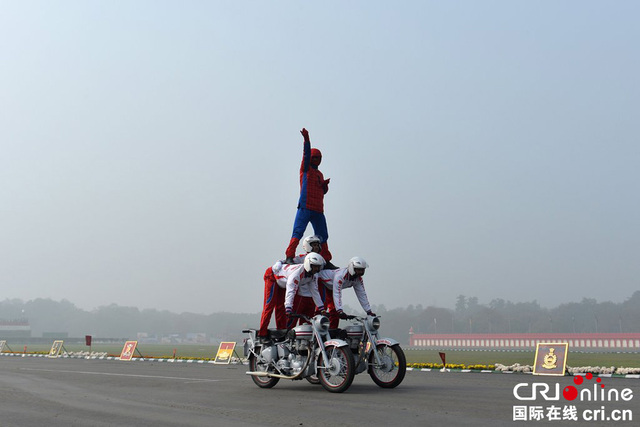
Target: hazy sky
(151, 149)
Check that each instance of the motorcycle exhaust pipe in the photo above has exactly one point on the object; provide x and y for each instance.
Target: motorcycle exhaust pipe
(266, 374)
(286, 377)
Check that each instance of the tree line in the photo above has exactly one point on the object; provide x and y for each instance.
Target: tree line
(500, 316)
(469, 316)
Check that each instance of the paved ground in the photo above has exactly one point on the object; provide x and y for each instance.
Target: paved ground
(77, 392)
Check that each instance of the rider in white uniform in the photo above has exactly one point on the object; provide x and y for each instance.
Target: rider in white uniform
(309, 244)
(274, 292)
(301, 286)
(342, 278)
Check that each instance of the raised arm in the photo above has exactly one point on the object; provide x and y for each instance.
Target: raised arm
(306, 151)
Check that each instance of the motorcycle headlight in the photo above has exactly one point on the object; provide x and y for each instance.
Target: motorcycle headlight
(321, 323)
(374, 323)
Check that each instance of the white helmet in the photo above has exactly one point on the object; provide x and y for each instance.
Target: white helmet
(306, 243)
(313, 258)
(356, 262)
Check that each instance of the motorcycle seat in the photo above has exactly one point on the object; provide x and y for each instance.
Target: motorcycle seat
(277, 334)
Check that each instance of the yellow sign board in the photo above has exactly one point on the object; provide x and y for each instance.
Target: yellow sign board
(551, 358)
(128, 350)
(55, 349)
(225, 351)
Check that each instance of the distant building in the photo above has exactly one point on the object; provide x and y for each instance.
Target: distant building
(196, 338)
(578, 341)
(16, 328)
(55, 335)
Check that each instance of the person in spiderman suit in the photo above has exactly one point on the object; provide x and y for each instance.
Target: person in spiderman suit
(313, 187)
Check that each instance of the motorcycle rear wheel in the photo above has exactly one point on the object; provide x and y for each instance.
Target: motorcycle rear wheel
(394, 366)
(338, 376)
(262, 382)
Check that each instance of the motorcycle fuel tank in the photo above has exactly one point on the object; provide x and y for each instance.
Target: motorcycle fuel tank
(303, 332)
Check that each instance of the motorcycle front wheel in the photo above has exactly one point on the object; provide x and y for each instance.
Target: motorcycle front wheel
(313, 379)
(393, 366)
(256, 366)
(338, 375)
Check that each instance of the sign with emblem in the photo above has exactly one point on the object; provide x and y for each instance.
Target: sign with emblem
(128, 350)
(225, 351)
(551, 359)
(55, 349)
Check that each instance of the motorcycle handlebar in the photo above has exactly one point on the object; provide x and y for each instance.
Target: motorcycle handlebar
(299, 316)
(353, 317)
(348, 317)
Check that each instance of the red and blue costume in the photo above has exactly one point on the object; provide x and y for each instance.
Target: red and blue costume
(313, 187)
(273, 299)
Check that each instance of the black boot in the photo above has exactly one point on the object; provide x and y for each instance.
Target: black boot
(329, 266)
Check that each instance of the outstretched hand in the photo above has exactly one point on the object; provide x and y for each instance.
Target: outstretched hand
(305, 134)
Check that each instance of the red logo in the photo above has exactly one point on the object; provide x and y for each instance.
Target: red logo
(571, 393)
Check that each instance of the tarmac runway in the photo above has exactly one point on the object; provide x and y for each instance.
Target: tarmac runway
(79, 392)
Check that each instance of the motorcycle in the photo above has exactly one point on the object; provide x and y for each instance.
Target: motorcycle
(306, 351)
(381, 357)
